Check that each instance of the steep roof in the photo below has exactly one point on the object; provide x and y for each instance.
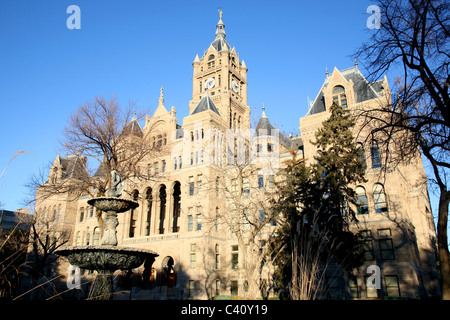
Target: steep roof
(205, 103)
(264, 127)
(73, 166)
(363, 89)
(219, 43)
(133, 128)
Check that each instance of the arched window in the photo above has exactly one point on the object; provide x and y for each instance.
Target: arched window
(361, 201)
(375, 154)
(379, 198)
(339, 96)
(176, 206)
(81, 215)
(162, 208)
(96, 236)
(135, 195)
(78, 239)
(149, 198)
(211, 56)
(88, 236)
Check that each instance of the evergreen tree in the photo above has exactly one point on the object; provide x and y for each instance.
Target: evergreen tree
(314, 201)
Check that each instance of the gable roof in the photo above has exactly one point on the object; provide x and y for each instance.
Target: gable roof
(264, 127)
(205, 103)
(133, 128)
(363, 89)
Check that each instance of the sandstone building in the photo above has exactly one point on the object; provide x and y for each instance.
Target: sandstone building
(208, 242)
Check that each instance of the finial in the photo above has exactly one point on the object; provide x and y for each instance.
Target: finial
(263, 108)
(161, 96)
(356, 63)
(326, 71)
(220, 13)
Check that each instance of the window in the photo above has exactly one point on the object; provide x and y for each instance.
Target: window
(271, 185)
(392, 286)
(375, 155)
(367, 247)
(217, 256)
(174, 163)
(370, 292)
(190, 222)
(234, 187)
(339, 96)
(199, 222)
(353, 288)
(260, 179)
(234, 289)
(199, 183)
(163, 169)
(379, 199)
(234, 258)
(387, 249)
(191, 186)
(180, 162)
(361, 201)
(96, 236)
(246, 187)
(156, 165)
(191, 288)
(261, 216)
(384, 232)
(211, 56)
(361, 152)
(193, 256)
(88, 237)
(81, 214)
(91, 211)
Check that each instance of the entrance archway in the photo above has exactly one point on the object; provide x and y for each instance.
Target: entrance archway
(168, 272)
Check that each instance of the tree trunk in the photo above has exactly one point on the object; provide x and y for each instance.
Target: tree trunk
(444, 255)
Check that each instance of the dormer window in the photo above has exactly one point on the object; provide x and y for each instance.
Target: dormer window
(339, 96)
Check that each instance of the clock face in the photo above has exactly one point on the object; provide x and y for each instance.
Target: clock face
(235, 86)
(209, 83)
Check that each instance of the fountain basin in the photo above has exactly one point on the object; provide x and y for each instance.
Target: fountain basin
(113, 204)
(109, 258)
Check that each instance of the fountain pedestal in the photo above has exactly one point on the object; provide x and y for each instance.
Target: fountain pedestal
(107, 258)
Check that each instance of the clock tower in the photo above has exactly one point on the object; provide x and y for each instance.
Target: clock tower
(220, 74)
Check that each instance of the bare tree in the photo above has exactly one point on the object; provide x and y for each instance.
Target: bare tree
(99, 135)
(46, 236)
(243, 188)
(415, 35)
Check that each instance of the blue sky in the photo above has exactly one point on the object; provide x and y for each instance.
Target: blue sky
(131, 48)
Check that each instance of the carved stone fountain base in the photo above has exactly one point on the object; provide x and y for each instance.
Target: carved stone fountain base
(106, 260)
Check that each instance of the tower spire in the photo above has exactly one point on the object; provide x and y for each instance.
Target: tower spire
(220, 27)
(161, 96)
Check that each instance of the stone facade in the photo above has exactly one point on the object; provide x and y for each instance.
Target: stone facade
(185, 193)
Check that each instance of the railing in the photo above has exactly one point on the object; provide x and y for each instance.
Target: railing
(157, 237)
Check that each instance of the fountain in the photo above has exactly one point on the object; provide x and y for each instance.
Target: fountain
(107, 257)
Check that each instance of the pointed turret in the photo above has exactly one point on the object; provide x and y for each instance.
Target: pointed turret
(161, 109)
(219, 43)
